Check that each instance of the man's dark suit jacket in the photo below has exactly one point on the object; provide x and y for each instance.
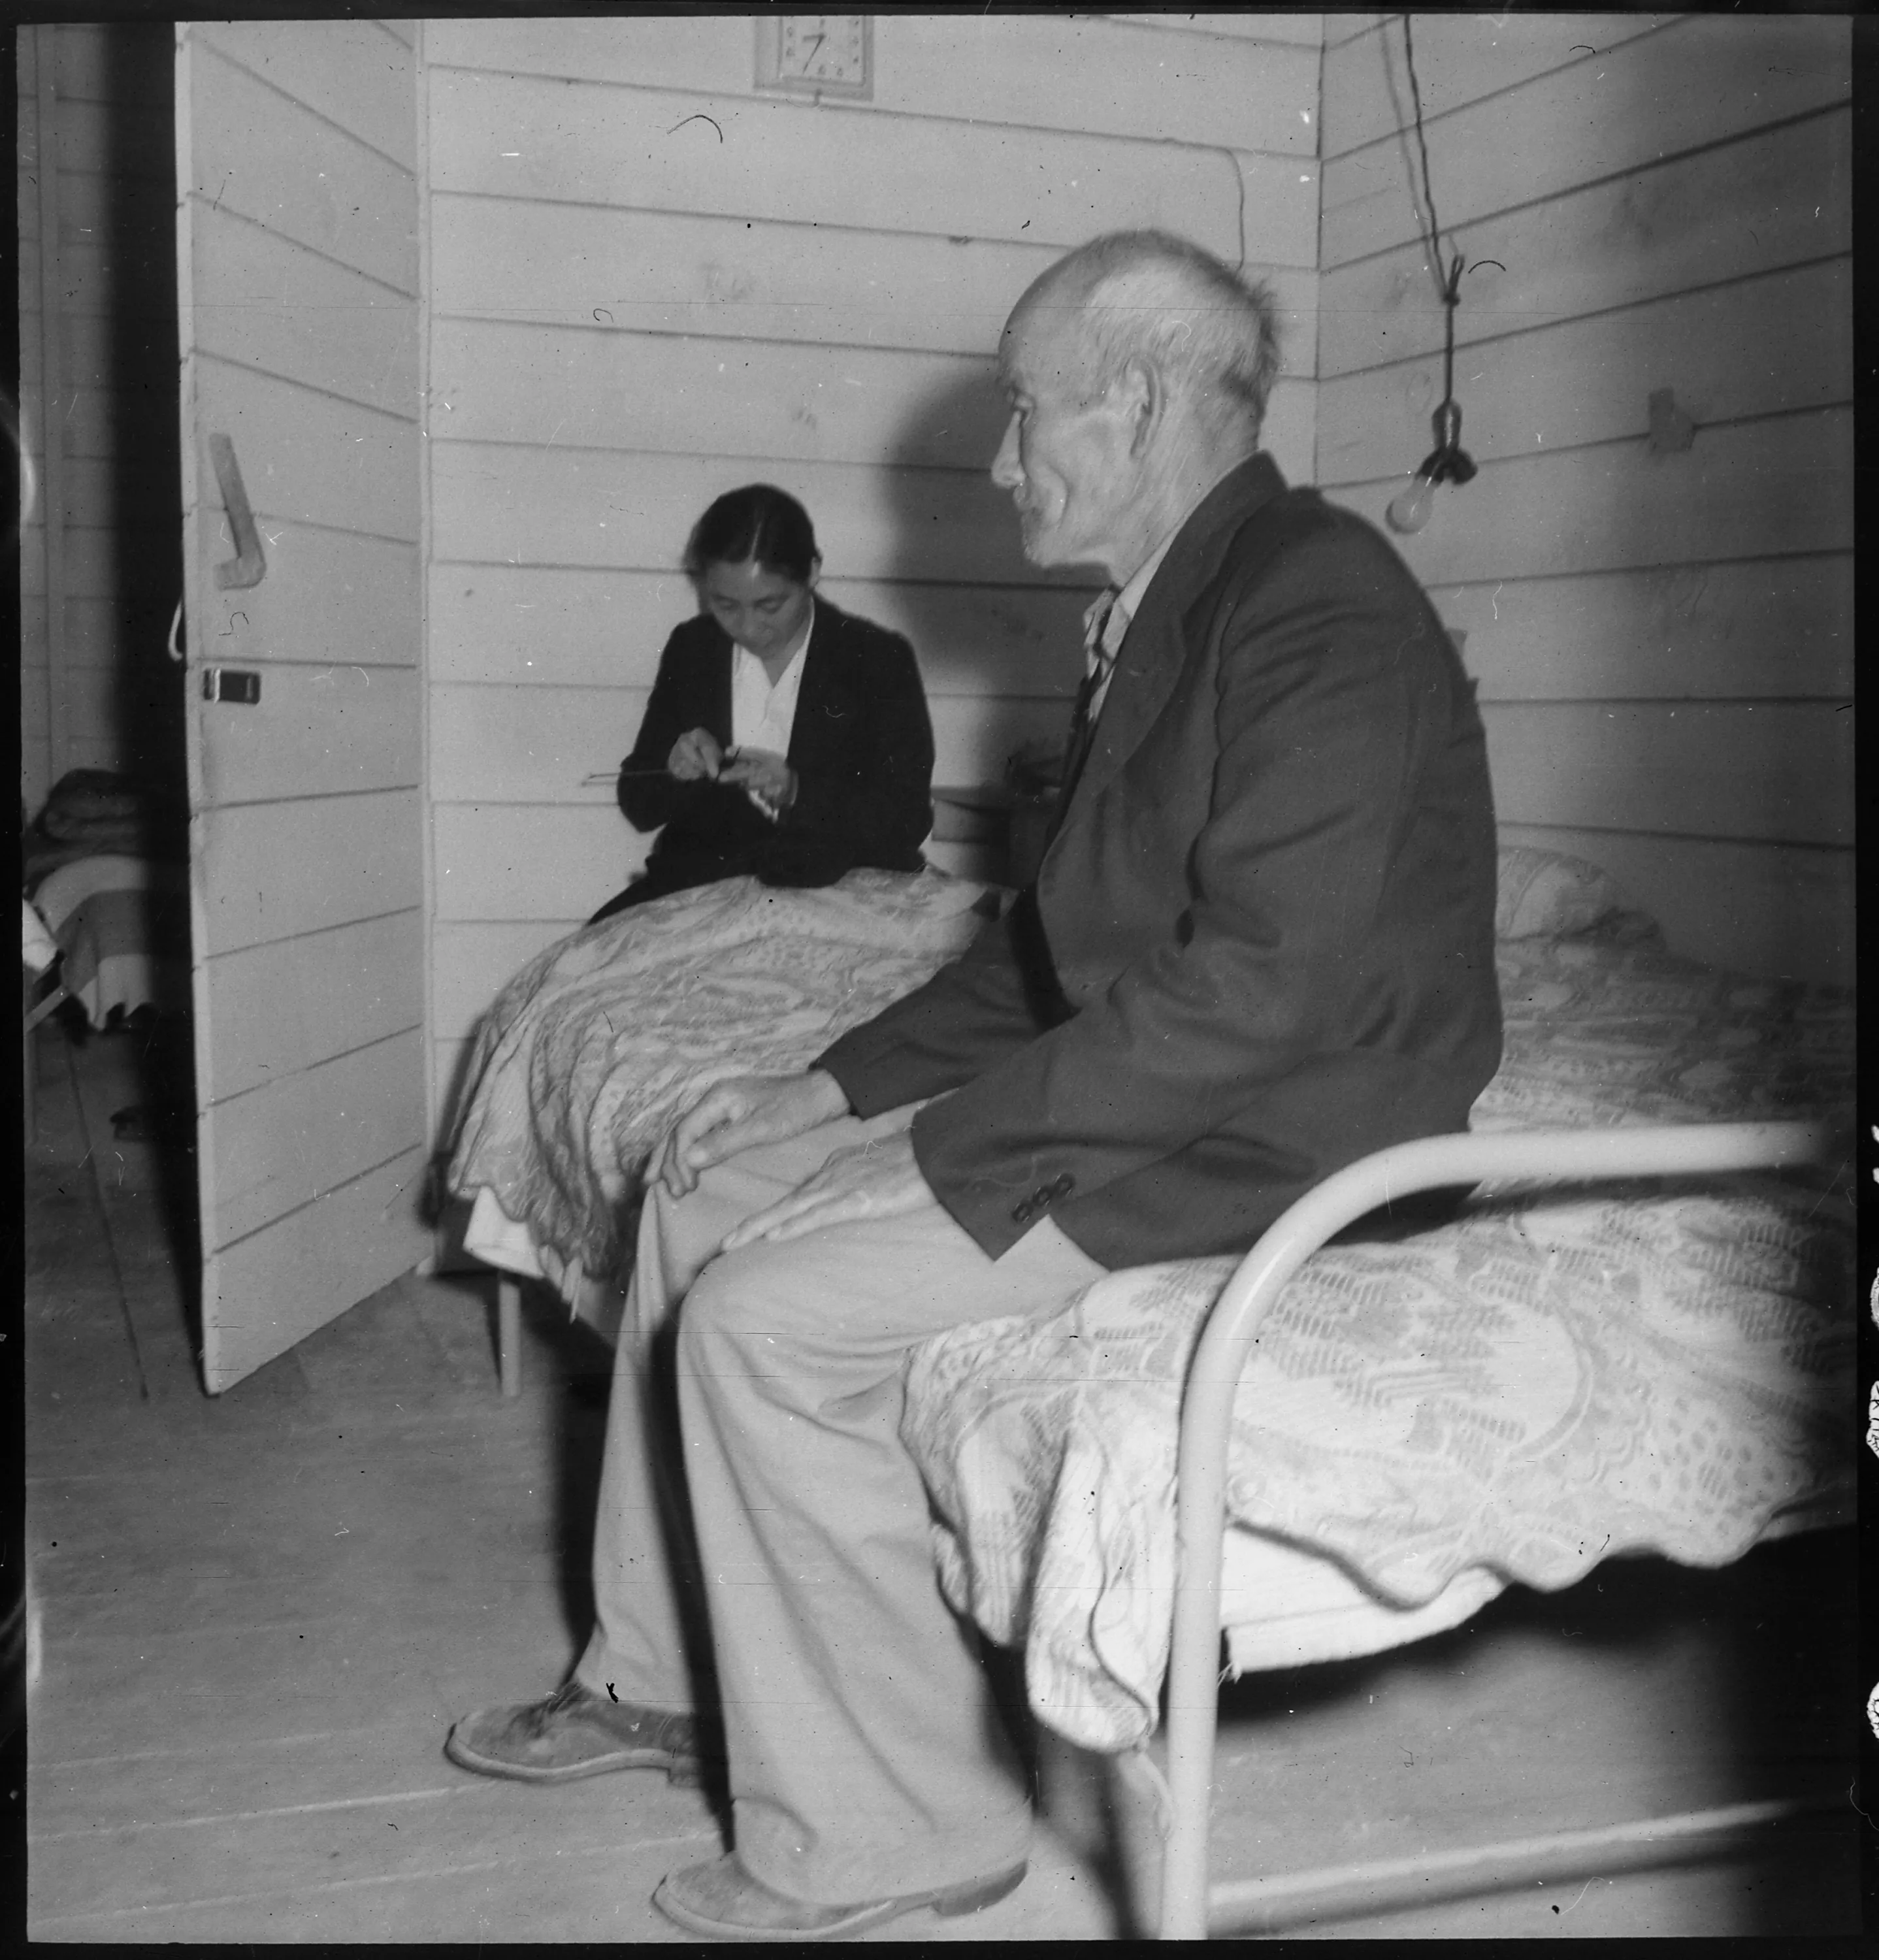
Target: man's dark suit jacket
(861, 746)
(1261, 944)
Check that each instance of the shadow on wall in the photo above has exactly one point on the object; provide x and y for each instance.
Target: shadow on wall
(982, 623)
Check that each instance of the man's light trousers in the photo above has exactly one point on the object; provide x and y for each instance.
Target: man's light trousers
(866, 1756)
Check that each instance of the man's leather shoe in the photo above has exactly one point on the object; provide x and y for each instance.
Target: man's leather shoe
(723, 1901)
(576, 1732)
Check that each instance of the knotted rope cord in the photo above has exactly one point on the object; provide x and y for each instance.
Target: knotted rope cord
(1449, 288)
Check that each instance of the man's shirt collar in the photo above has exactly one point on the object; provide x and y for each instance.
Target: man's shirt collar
(1129, 598)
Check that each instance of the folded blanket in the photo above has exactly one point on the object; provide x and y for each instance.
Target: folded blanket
(86, 795)
(95, 812)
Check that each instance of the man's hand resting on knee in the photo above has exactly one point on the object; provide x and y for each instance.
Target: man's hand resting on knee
(742, 1113)
(879, 1179)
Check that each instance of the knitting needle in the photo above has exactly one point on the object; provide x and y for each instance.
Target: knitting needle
(604, 776)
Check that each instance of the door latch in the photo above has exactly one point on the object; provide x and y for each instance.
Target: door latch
(236, 684)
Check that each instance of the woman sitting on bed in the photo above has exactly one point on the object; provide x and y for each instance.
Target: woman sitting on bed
(783, 738)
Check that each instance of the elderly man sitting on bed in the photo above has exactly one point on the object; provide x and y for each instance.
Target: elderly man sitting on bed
(1259, 946)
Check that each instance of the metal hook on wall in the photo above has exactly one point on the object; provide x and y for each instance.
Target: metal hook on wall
(249, 566)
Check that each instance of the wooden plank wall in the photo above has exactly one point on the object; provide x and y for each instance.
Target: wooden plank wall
(1662, 641)
(651, 282)
(99, 692)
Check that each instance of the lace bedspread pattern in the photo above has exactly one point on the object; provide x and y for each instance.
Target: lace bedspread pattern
(1544, 1383)
(579, 1065)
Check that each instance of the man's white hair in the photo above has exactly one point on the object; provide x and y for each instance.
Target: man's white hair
(1149, 296)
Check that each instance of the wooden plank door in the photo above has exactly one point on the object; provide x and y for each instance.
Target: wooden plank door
(297, 264)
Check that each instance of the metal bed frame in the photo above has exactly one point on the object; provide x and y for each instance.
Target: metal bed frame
(1191, 1908)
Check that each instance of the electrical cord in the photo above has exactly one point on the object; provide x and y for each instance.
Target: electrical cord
(1448, 462)
(1447, 291)
(1448, 285)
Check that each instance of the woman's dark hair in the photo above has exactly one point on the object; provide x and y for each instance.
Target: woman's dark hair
(759, 522)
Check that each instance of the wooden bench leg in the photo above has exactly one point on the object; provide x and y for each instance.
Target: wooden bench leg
(509, 1334)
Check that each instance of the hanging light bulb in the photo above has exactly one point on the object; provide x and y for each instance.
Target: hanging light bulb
(1411, 509)
(1447, 462)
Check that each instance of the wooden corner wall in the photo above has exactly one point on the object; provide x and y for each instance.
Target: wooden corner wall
(1663, 637)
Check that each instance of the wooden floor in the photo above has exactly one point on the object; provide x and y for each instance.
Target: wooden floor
(253, 1620)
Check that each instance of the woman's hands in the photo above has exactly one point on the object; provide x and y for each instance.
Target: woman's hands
(765, 777)
(696, 756)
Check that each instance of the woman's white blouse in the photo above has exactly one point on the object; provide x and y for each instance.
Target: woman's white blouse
(763, 716)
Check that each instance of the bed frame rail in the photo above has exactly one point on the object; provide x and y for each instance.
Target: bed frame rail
(1511, 1157)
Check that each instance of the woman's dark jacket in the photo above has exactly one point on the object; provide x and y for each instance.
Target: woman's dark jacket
(861, 747)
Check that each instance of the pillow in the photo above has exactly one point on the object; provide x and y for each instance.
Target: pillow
(1543, 895)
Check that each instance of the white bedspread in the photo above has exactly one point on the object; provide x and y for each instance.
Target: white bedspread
(1515, 1396)
(579, 1066)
